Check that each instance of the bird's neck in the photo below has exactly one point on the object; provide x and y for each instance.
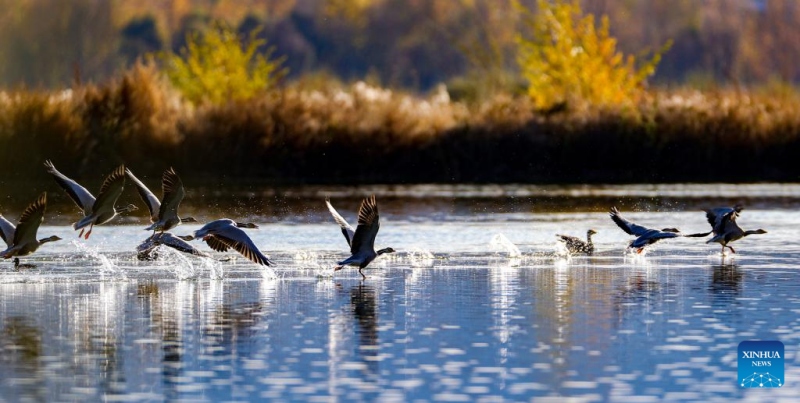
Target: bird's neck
(384, 250)
(751, 232)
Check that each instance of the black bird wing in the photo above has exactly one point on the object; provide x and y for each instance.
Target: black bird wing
(721, 218)
(627, 226)
(216, 244)
(173, 193)
(111, 190)
(231, 237)
(367, 229)
(30, 220)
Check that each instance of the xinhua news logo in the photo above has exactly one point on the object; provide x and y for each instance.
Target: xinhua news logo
(761, 364)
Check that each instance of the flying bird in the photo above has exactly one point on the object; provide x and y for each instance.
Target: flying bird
(724, 227)
(362, 239)
(95, 211)
(645, 236)
(164, 213)
(224, 234)
(21, 240)
(146, 250)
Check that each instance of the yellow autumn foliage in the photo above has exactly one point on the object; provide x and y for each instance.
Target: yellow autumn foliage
(216, 67)
(568, 59)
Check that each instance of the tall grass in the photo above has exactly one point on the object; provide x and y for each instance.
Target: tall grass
(356, 133)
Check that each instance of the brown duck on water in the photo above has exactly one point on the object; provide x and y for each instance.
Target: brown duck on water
(577, 246)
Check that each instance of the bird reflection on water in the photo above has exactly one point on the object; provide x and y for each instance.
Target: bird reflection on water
(363, 303)
(725, 286)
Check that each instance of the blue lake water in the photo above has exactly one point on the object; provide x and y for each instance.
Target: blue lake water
(479, 304)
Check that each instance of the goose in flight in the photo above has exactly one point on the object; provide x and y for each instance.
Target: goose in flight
(724, 227)
(362, 239)
(164, 213)
(645, 236)
(576, 245)
(95, 211)
(21, 240)
(224, 234)
(146, 250)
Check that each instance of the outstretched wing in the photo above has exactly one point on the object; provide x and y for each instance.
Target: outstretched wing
(30, 220)
(627, 226)
(153, 205)
(179, 244)
(718, 216)
(236, 239)
(368, 225)
(216, 243)
(76, 192)
(110, 191)
(7, 231)
(172, 188)
(347, 230)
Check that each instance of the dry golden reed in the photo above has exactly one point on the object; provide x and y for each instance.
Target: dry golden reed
(357, 133)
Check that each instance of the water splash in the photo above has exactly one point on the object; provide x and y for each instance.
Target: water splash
(304, 256)
(500, 241)
(107, 267)
(268, 273)
(560, 251)
(213, 267)
(420, 257)
(177, 263)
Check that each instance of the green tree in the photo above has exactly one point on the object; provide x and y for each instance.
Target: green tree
(216, 67)
(568, 59)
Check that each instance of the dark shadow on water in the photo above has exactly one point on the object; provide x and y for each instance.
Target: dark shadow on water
(363, 303)
(725, 285)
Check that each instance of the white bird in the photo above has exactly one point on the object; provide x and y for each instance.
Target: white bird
(21, 240)
(95, 211)
(724, 226)
(645, 236)
(145, 251)
(362, 239)
(224, 234)
(164, 213)
(576, 245)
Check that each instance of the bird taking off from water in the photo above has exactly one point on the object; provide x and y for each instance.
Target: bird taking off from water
(164, 213)
(21, 240)
(95, 211)
(224, 234)
(646, 236)
(724, 227)
(362, 239)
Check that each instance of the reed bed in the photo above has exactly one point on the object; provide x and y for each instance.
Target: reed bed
(360, 133)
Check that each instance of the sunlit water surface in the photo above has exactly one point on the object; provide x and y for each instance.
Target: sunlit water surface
(479, 304)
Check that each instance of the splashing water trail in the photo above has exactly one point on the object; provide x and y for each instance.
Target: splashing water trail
(500, 241)
(420, 257)
(268, 273)
(560, 251)
(177, 263)
(214, 268)
(107, 267)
